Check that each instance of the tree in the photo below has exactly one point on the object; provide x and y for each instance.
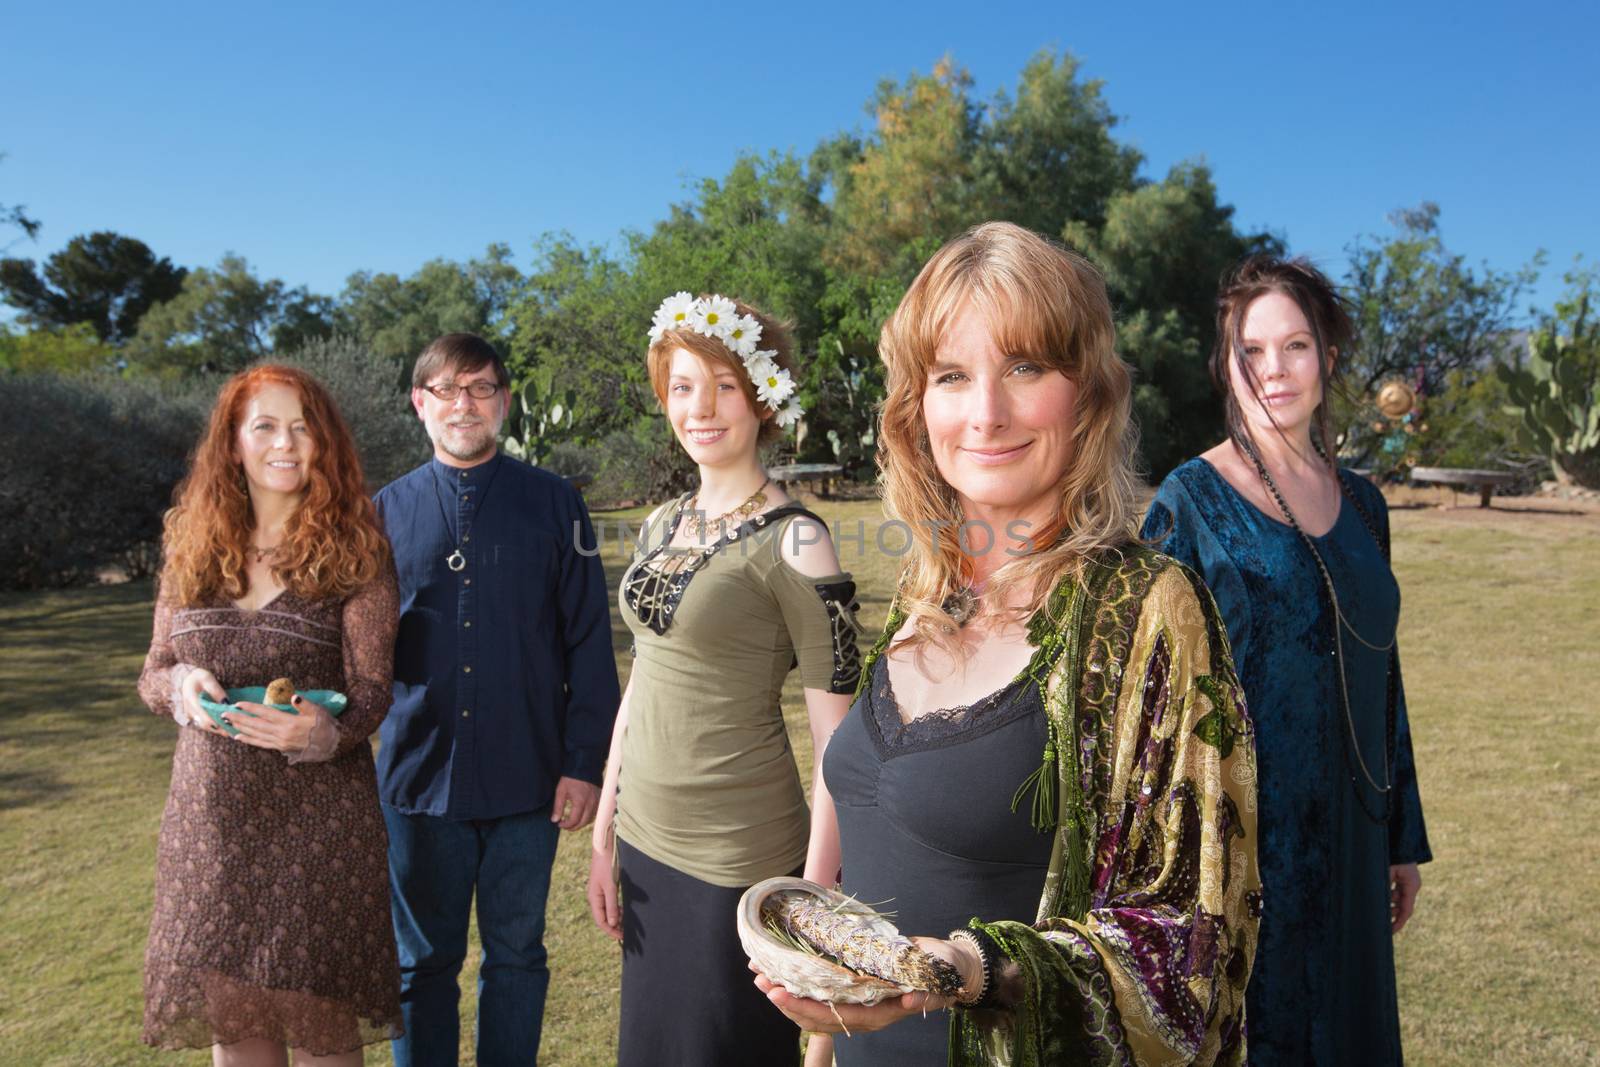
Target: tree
(1048, 156)
(583, 315)
(397, 317)
(1046, 159)
(757, 235)
(1162, 249)
(104, 279)
(69, 350)
(1420, 312)
(16, 215)
(226, 317)
(915, 184)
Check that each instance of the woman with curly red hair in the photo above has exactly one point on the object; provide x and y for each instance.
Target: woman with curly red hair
(271, 924)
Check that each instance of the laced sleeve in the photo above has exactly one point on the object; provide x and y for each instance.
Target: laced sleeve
(158, 681)
(369, 622)
(820, 615)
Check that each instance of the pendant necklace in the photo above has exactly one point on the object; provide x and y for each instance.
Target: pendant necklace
(455, 560)
(1340, 625)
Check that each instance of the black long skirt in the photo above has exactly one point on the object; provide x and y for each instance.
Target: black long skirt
(688, 994)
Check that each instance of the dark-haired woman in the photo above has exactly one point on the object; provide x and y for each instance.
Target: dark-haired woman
(271, 927)
(1296, 551)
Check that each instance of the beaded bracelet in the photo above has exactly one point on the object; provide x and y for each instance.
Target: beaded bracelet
(985, 947)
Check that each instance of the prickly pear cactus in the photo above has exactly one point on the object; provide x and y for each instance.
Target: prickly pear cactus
(1557, 396)
(542, 417)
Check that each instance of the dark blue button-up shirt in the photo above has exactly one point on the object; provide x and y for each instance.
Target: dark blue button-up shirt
(504, 679)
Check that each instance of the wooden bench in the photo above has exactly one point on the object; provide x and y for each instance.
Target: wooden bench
(1485, 482)
(822, 474)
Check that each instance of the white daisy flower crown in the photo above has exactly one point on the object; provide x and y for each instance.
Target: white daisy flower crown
(716, 316)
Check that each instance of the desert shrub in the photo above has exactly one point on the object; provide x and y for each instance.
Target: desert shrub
(640, 465)
(88, 462)
(1468, 424)
(87, 468)
(572, 460)
(372, 392)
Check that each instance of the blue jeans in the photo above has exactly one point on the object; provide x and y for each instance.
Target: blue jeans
(434, 866)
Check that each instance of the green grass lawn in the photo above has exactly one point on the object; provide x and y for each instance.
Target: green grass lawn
(1501, 644)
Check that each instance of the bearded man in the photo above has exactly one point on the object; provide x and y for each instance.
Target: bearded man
(505, 690)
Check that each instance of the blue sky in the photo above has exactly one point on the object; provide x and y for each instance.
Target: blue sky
(317, 140)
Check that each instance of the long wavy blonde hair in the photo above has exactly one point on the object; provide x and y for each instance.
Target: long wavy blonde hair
(1050, 305)
(333, 544)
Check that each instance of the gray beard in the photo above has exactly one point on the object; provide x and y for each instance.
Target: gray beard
(468, 450)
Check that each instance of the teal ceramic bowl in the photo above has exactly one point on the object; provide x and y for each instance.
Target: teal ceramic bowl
(256, 694)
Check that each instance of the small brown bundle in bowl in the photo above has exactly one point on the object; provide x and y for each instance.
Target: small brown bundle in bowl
(280, 691)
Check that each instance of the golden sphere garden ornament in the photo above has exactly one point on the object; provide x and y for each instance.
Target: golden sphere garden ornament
(1396, 398)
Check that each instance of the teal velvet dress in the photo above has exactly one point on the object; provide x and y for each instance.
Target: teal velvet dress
(1323, 988)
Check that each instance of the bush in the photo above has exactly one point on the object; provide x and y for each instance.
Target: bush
(372, 394)
(88, 462)
(641, 465)
(572, 460)
(1467, 425)
(87, 468)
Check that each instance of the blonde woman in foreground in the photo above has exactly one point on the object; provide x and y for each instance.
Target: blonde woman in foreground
(1049, 754)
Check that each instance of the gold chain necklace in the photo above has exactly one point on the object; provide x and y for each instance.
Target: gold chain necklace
(700, 526)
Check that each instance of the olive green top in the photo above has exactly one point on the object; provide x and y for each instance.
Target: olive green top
(708, 783)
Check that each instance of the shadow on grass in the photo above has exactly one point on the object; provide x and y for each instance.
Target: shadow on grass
(28, 788)
(67, 651)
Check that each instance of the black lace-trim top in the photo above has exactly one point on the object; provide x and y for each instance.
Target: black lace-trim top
(893, 736)
(655, 583)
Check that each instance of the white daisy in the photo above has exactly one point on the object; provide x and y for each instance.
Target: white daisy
(744, 335)
(790, 413)
(760, 365)
(714, 316)
(774, 387)
(673, 313)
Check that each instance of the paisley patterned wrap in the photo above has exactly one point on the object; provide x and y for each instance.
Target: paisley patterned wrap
(1147, 920)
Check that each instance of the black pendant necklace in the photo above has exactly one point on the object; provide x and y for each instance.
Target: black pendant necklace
(1385, 788)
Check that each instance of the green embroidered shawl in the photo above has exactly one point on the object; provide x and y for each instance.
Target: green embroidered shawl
(1147, 921)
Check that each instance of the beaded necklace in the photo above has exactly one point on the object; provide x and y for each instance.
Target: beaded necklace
(1340, 625)
(699, 525)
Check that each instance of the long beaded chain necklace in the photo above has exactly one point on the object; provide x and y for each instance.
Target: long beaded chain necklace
(1341, 624)
(455, 560)
(700, 526)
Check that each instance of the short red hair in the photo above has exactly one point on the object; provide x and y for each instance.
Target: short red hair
(334, 544)
(775, 339)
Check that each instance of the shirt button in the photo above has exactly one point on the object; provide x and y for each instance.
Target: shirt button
(467, 669)
(465, 713)
(467, 624)
(466, 538)
(466, 581)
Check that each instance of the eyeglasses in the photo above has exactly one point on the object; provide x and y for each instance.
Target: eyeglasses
(448, 391)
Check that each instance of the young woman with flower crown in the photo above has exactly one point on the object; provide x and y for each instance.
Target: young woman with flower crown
(733, 585)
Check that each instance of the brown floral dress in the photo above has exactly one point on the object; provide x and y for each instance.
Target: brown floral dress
(272, 894)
